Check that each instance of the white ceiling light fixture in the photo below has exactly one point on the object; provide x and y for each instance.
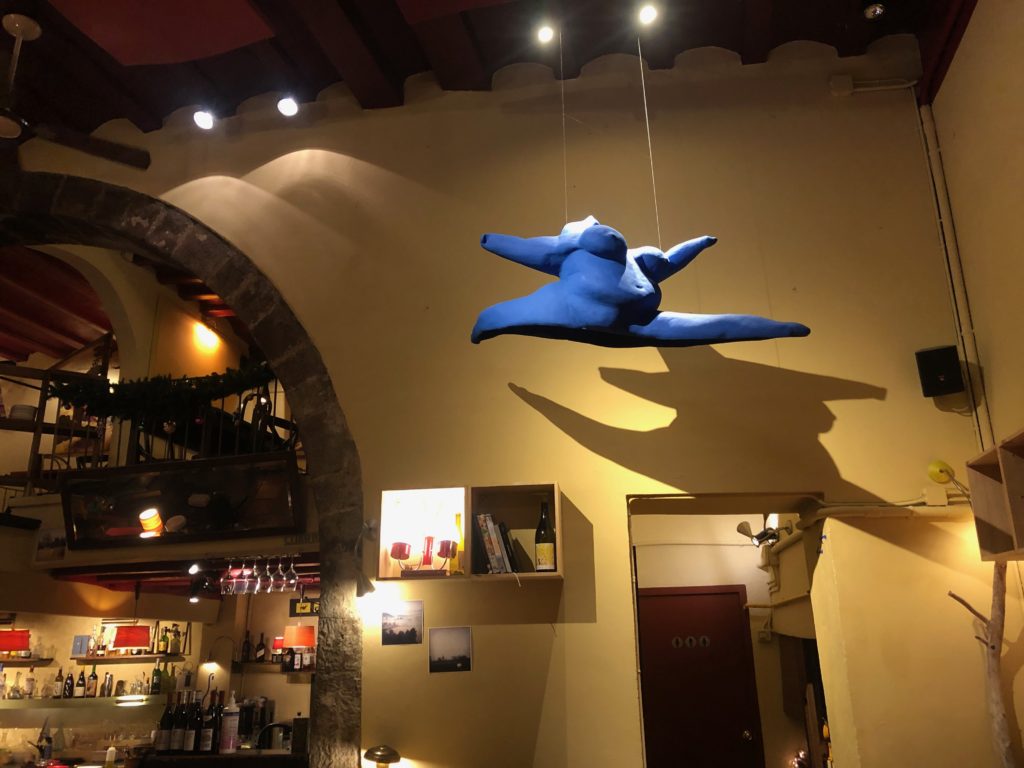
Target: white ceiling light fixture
(288, 106)
(546, 33)
(647, 15)
(204, 119)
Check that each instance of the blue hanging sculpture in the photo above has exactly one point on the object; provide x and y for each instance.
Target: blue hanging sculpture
(607, 294)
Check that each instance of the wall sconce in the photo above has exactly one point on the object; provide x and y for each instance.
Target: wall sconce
(382, 755)
(151, 522)
(767, 536)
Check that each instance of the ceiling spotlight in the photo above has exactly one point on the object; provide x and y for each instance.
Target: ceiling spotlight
(288, 106)
(203, 119)
(767, 536)
(647, 15)
(546, 34)
(198, 585)
(874, 12)
(194, 569)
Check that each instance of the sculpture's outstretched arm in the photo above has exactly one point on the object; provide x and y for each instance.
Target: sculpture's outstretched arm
(660, 266)
(545, 254)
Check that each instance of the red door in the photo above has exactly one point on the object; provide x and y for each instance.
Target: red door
(697, 678)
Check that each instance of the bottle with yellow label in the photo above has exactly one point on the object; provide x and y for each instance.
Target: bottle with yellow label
(544, 559)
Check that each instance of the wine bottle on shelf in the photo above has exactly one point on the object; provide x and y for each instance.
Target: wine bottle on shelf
(58, 685)
(162, 743)
(193, 724)
(161, 644)
(288, 660)
(155, 686)
(101, 644)
(178, 729)
(79, 691)
(544, 540)
(91, 684)
(69, 686)
(261, 650)
(30, 683)
(209, 718)
(108, 685)
(246, 648)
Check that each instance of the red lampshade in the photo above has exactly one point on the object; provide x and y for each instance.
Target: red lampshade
(303, 636)
(132, 637)
(278, 644)
(400, 550)
(14, 640)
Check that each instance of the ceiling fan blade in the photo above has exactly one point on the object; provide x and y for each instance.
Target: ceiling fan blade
(109, 150)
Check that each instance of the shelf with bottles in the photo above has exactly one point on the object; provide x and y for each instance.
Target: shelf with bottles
(143, 658)
(24, 661)
(436, 533)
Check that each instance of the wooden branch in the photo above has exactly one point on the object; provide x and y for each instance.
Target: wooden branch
(977, 614)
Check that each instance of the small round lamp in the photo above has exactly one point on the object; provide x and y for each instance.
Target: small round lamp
(382, 755)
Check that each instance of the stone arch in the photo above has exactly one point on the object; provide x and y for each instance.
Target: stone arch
(44, 208)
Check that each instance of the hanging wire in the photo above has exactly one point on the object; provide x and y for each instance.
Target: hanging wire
(565, 151)
(650, 148)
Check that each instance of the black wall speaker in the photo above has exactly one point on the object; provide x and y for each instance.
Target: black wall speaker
(939, 369)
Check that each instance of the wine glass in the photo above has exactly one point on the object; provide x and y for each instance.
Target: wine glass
(227, 584)
(257, 578)
(244, 573)
(280, 580)
(291, 577)
(268, 579)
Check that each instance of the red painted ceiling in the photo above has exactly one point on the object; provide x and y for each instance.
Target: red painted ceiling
(166, 31)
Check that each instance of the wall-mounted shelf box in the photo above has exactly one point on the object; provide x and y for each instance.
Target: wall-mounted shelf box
(517, 506)
(996, 478)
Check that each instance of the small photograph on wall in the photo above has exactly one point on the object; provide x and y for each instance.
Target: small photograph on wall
(51, 544)
(403, 624)
(451, 649)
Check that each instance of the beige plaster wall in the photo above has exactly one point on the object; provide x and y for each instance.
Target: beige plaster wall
(369, 224)
(980, 121)
(903, 666)
(699, 550)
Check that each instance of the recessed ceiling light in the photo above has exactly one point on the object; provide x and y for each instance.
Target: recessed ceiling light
(203, 119)
(647, 14)
(288, 106)
(874, 11)
(546, 34)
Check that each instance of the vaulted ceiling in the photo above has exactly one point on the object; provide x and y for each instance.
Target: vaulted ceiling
(98, 60)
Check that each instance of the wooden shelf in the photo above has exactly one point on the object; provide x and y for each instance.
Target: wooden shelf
(144, 658)
(518, 507)
(996, 479)
(31, 662)
(270, 668)
(74, 713)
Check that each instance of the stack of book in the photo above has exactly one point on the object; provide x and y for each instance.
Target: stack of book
(493, 551)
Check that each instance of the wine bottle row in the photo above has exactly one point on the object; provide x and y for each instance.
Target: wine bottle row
(186, 727)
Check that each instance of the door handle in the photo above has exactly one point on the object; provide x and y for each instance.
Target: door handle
(747, 735)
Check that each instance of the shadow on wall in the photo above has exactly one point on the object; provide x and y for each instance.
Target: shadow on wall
(739, 425)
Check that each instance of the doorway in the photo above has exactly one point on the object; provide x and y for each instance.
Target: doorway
(697, 678)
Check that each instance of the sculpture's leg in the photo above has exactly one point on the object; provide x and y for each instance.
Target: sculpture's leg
(544, 307)
(709, 329)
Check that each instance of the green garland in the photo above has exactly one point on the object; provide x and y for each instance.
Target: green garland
(160, 396)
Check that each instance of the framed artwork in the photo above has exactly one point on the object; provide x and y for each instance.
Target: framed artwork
(180, 501)
(451, 649)
(403, 624)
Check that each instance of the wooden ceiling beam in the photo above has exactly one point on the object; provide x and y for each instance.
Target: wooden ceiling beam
(15, 357)
(197, 292)
(16, 344)
(34, 301)
(92, 69)
(757, 31)
(35, 269)
(452, 53)
(327, 23)
(40, 338)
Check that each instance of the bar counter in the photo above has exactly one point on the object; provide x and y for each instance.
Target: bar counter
(247, 758)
